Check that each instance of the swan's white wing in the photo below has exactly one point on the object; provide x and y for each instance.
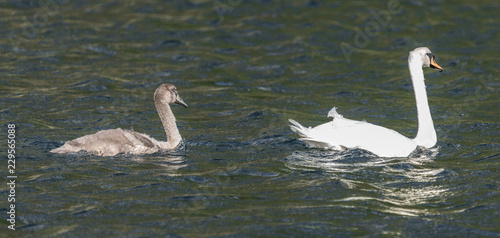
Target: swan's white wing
(342, 133)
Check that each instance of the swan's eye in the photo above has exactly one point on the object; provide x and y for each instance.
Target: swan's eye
(430, 56)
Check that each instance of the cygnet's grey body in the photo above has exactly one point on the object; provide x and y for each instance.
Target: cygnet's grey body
(115, 141)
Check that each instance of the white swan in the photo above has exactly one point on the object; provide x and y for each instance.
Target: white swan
(115, 141)
(342, 133)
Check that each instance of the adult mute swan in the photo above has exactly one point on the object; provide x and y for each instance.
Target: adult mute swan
(342, 133)
(115, 141)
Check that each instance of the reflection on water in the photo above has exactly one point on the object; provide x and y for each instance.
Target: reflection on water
(403, 186)
(353, 160)
(170, 163)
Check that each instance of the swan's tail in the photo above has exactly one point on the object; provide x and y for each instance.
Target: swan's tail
(305, 135)
(61, 150)
(298, 128)
(305, 132)
(68, 147)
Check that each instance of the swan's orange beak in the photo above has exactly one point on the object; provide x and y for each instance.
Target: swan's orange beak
(435, 65)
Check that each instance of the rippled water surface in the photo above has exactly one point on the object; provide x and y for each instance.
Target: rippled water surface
(73, 68)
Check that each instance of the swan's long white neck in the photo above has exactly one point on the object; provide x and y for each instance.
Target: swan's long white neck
(168, 121)
(426, 135)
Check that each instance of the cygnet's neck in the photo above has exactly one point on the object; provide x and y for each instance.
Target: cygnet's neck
(426, 135)
(168, 120)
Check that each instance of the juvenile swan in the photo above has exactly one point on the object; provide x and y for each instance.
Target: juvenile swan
(342, 133)
(115, 141)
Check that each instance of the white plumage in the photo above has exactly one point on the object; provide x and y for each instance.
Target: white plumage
(342, 133)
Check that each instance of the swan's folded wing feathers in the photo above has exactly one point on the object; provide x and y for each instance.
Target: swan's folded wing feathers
(333, 113)
(139, 138)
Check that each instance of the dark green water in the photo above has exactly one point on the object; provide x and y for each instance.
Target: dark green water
(73, 68)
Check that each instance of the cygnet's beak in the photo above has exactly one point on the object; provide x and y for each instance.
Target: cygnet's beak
(179, 101)
(435, 65)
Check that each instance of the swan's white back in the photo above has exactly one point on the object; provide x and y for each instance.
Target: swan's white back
(342, 133)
